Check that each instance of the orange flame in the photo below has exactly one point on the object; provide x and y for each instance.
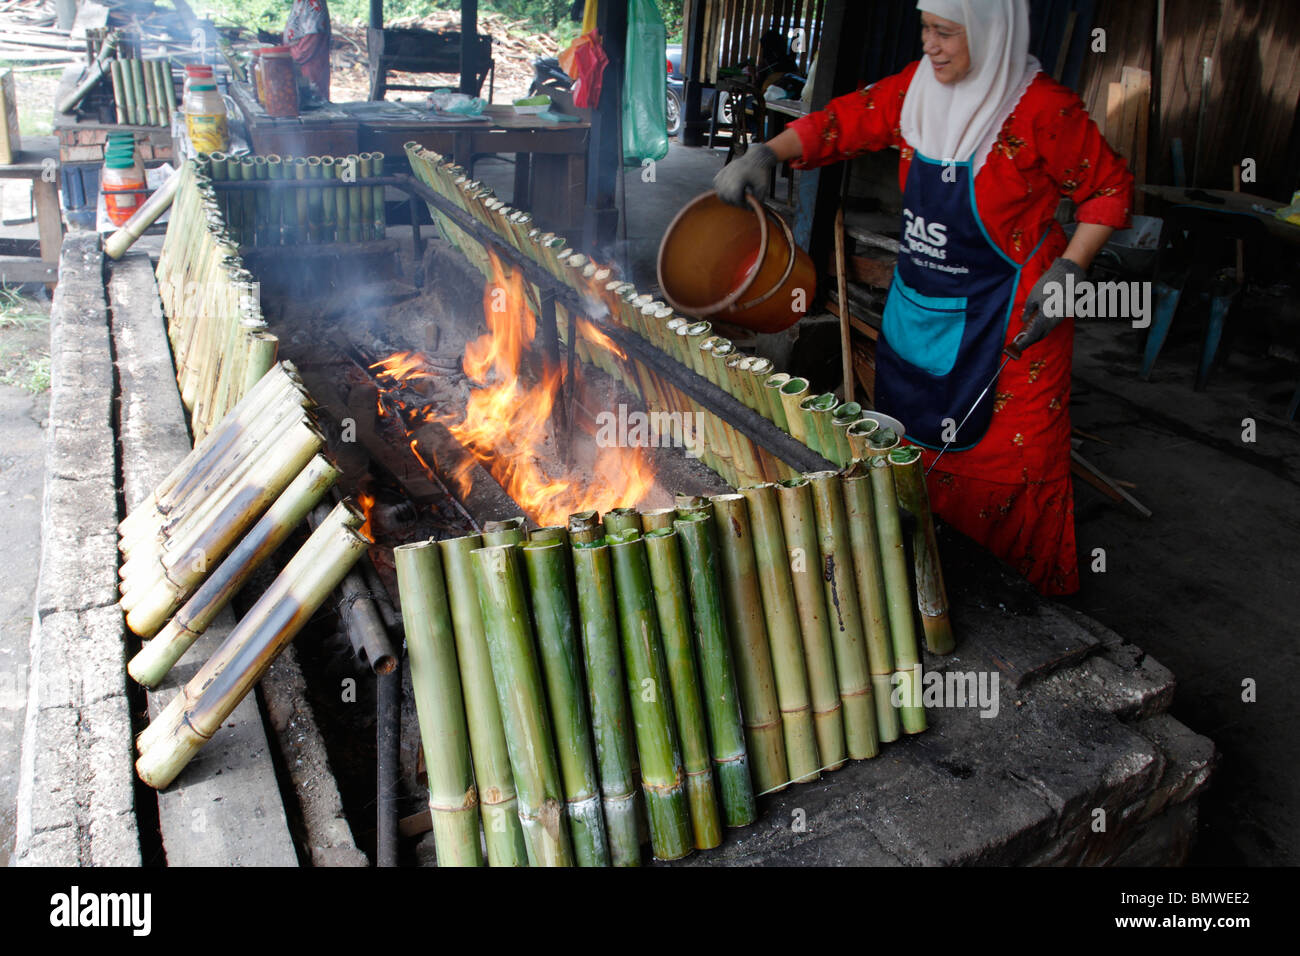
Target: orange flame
(599, 339)
(402, 367)
(366, 501)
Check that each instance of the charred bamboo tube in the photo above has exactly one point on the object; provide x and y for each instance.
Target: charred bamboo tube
(793, 393)
(119, 91)
(931, 595)
(522, 700)
(851, 666)
(157, 657)
(622, 519)
(553, 614)
(606, 689)
(776, 409)
(799, 526)
(764, 734)
(506, 531)
(780, 612)
(584, 528)
(672, 606)
(898, 594)
(717, 672)
(650, 690)
(498, 802)
(251, 647)
(435, 681)
(860, 510)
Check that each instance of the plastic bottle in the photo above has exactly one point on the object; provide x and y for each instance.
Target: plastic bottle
(120, 173)
(196, 73)
(205, 119)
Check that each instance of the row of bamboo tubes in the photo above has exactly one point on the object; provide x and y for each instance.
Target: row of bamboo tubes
(350, 212)
(144, 93)
(219, 338)
(841, 432)
(198, 537)
(669, 665)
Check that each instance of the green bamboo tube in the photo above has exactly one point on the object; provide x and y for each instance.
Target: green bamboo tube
(128, 89)
(275, 170)
(781, 614)
(141, 110)
(622, 519)
(250, 648)
(329, 217)
(150, 80)
(380, 217)
(860, 510)
(859, 436)
(498, 802)
(169, 88)
(931, 595)
(749, 646)
(819, 411)
(315, 202)
(302, 205)
(359, 212)
(717, 672)
(157, 657)
(365, 198)
(584, 528)
(262, 201)
(844, 416)
(657, 519)
(553, 614)
(119, 97)
(435, 681)
(506, 531)
(607, 692)
(672, 606)
(898, 594)
(344, 227)
(776, 409)
(250, 212)
(799, 527)
(522, 700)
(650, 691)
(852, 669)
(792, 393)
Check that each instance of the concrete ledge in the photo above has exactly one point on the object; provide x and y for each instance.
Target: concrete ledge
(76, 801)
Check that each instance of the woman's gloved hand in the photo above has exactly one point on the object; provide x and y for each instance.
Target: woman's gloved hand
(1047, 304)
(752, 172)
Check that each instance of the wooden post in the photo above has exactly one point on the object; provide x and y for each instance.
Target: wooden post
(695, 125)
(605, 148)
(377, 14)
(468, 46)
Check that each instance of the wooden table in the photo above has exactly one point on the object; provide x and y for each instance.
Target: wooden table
(550, 157)
(38, 163)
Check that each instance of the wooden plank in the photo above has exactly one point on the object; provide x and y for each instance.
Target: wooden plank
(1115, 118)
(49, 223)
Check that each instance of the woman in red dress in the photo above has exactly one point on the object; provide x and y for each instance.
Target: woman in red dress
(988, 144)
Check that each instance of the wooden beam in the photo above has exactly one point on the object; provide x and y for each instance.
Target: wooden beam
(468, 46)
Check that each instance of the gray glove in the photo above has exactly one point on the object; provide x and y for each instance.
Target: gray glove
(751, 171)
(1047, 305)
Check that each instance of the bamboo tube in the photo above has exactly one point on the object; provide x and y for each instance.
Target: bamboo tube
(841, 418)
(780, 611)
(150, 80)
(119, 97)
(329, 206)
(522, 701)
(250, 648)
(650, 690)
(302, 206)
(776, 409)
(792, 393)
(717, 673)
(248, 232)
(380, 216)
(275, 170)
(859, 436)
(137, 83)
(584, 527)
(799, 527)
(169, 88)
(606, 688)
(365, 198)
(315, 202)
(550, 586)
(657, 519)
(435, 682)
(262, 202)
(860, 510)
(506, 531)
(931, 595)
(157, 657)
(347, 228)
(845, 618)
(672, 607)
(749, 645)
(498, 802)
(820, 410)
(622, 519)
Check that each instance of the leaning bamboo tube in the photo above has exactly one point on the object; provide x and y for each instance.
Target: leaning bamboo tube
(648, 686)
(602, 656)
(157, 657)
(546, 562)
(931, 595)
(799, 527)
(673, 608)
(749, 645)
(717, 672)
(851, 665)
(435, 683)
(522, 701)
(859, 436)
(776, 409)
(119, 95)
(250, 648)
(819, 410)
(781, 614)
(498, 802)
(116, 245)
(860, 510)
(792, 393)
(841, 418)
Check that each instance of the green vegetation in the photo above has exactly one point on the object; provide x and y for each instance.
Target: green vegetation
(31, 372)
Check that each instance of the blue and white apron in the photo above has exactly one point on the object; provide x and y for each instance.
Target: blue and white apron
(946, 316)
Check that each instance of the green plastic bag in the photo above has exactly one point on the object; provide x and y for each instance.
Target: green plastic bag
(645, 119)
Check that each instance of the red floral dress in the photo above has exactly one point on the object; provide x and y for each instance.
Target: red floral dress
(1012, 491)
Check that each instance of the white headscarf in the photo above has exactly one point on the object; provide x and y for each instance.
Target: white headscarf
(960, 121)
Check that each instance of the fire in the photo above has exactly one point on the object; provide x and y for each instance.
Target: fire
(402, 367)
(506, 422)
(366, 501)
(596, 337)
